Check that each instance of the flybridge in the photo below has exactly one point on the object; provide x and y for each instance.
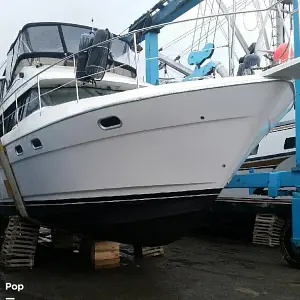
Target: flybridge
(46, 41)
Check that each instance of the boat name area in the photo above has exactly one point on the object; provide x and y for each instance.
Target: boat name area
(14, 287)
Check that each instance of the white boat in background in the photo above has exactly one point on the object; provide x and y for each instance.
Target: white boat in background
(275, 148)
(138, 165)
(275, 152)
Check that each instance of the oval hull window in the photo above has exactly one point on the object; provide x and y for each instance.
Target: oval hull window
(110, 123)
(36, 144)
(19, 150)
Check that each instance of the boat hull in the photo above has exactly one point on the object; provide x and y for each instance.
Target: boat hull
(147, 220)
(180, 138)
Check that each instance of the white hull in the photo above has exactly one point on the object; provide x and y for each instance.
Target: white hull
(163, 145)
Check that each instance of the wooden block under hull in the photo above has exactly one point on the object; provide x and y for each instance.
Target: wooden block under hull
(153, 251)
(106, 255)
(106, 246)
(112, 254)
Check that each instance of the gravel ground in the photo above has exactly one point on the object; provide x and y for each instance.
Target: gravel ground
(192, 268)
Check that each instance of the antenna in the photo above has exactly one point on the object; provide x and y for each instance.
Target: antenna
(92, 24)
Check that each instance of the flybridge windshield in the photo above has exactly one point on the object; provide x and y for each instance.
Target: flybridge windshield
(56, 40)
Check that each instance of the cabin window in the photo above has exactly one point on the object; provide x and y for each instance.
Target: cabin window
(8, 69)
(1, 126)
(2, 85)
(32, 103)
(15, 51)
(64, 95)
(10, 117)
(290, 143)
(27, 104)
(22, 105)
(255, 150)
(1, 89)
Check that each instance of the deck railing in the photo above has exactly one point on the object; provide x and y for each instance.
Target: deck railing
(131, 35)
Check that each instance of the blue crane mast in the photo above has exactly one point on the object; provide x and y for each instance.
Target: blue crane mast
(164, 11)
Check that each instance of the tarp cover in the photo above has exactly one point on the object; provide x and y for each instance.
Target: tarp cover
(98, 55)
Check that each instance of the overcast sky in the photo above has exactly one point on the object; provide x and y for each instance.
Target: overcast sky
(115, 15)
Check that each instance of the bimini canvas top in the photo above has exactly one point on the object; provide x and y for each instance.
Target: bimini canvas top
(56, 40)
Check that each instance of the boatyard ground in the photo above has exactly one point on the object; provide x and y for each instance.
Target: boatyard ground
(198, 267)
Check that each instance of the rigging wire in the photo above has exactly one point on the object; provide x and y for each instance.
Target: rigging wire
(211, 12)
(195, 29)
(2, 64)
(202, 24)
(232, 39)
(181, 37)
(287, 48)
(219, 8)
(222, 29)
(241, 5)
(123, 31)
(256, 23)
(189, 32)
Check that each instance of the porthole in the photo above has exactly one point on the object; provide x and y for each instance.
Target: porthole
(19, 150)
(36, 144)
(110, 122)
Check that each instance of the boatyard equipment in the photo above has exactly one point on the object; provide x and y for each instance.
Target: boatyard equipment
(274, 181)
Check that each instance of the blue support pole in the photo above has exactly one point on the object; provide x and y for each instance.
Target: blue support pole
(297, 81)
(296, 219)
(151, 55)
(251, 190)
(296, 195)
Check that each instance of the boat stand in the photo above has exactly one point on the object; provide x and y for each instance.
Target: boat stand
(274, 181)
(267, 230)
(19, 245)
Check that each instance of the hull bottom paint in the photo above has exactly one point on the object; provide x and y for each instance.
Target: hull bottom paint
(146, 220)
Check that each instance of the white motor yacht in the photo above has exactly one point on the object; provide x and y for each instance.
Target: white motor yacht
(106, 158)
